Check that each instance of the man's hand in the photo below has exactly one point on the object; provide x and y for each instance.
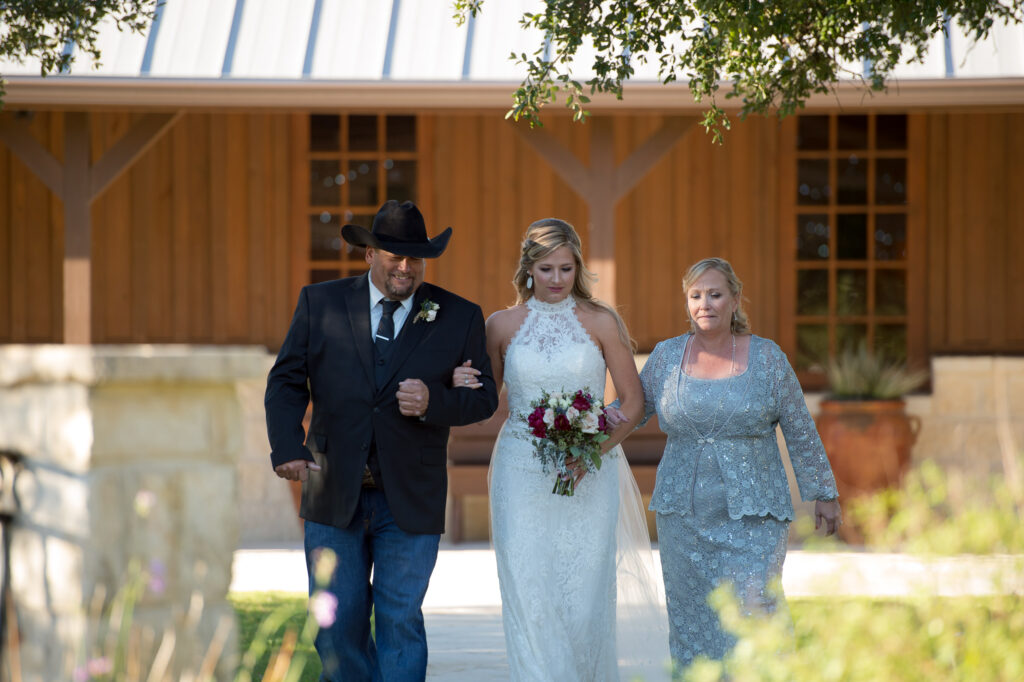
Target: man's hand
(296, 470)
(413, 396)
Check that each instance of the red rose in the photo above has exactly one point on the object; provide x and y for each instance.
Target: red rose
(581, 402)
(602, 423)
(562, 423)
(540, 431)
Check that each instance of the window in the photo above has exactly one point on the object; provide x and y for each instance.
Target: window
(355, 164)
(850, 256)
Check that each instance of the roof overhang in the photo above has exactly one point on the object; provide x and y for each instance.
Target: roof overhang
(77, 92)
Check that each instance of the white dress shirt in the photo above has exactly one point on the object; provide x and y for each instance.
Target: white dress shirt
(377, 310)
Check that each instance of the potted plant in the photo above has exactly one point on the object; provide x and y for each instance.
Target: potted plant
(864, 425)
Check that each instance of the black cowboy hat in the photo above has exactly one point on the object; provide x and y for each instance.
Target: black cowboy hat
(398, 229)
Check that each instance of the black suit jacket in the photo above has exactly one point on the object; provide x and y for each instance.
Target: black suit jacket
(328, 357)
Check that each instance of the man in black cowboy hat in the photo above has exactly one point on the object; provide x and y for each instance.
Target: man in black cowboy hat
(375, 354)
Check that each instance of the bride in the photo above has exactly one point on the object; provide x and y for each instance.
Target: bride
(565, 562)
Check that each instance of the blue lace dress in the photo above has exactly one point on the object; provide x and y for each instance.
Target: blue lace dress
(721, 495)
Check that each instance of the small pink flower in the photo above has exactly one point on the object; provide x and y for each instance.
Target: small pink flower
(157, 573)
(324, 607)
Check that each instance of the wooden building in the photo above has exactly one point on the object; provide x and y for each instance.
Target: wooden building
(186, 189)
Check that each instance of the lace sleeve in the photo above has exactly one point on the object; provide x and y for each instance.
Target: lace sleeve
(652, 376)
(806, 452)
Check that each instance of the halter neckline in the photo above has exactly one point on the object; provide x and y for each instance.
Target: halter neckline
(567, 303)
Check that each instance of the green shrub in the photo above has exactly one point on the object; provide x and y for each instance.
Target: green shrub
(867, 640)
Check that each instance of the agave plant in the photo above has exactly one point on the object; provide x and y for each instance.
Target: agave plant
(863, 375)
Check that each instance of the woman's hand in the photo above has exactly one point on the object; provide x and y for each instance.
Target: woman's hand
(829, 514)
(615, 417)
(465, 376)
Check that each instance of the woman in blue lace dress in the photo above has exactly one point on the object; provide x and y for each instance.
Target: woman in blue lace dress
(721, 496)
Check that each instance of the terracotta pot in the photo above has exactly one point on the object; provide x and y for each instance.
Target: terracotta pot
(868, 444)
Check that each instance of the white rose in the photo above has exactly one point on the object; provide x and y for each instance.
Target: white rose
(549, 416)
(555, 399)
(589, 423)
(571, 413)
(431, 314)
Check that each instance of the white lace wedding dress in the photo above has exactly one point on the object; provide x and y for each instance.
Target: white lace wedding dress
(558, 556)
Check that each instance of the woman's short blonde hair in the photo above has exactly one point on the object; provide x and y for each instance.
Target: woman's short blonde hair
(740, 324)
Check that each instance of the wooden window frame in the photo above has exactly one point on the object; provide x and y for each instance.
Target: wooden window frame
(302, 262)
(914, 265)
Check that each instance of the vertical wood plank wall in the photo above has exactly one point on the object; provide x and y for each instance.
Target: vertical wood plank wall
(190, 245)
(975, 232)
(193, 243)
(700, 200)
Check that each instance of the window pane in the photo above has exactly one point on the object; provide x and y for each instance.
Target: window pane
(811, 346)
(851, 292)
(362, 133)
(325, 182)
(891, 132)
(401, 133)
(890, 236)
(890, 292)
(853, 180)
(812, 182)
(891, 181)
(812, 237)
(891, 341)
(812, 133)
(852, 236)
(324, 236)
(324, 133)
(812, 292)
(323, 275)
(853, 132)
(850, 336)
(362, 183)
(401, 178)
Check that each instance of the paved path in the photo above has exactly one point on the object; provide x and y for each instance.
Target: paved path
(463, 608)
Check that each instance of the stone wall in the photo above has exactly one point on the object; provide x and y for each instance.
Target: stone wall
(128, 490)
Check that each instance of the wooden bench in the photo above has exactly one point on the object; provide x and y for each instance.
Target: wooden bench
(469, 457)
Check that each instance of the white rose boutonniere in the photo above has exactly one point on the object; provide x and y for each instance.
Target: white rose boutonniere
(428, 311)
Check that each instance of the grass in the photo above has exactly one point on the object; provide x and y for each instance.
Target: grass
(254, 610)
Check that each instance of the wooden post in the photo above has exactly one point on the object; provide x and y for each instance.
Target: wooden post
(603, 184)
(78, 183)
(77, 231)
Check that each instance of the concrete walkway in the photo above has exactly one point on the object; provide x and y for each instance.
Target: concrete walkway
(463, 607)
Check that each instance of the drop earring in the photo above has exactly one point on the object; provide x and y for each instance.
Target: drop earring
(529, 282)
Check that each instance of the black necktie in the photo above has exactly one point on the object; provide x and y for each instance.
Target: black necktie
(386, 329)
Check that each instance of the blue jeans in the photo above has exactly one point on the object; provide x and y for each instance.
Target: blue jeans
(401, 563)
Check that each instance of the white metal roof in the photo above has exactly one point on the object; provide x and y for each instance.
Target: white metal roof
(395, 53)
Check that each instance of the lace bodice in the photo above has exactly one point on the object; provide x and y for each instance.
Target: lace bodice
(736, 420)
(550, 351)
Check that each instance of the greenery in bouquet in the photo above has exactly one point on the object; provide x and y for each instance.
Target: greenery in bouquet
(568, 430)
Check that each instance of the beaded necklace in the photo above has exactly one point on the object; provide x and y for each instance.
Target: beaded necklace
(683, 378)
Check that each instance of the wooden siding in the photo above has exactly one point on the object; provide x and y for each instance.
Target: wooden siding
(195, 243)
(490, 185)
(975, 232)
(190, 245)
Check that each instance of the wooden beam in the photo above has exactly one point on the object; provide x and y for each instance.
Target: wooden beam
(601, 202)
(642, 159)
(128, 149)
(565, 163)
(77, 231)
(15, 134)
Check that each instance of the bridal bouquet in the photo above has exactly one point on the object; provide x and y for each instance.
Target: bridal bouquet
(568, 426)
